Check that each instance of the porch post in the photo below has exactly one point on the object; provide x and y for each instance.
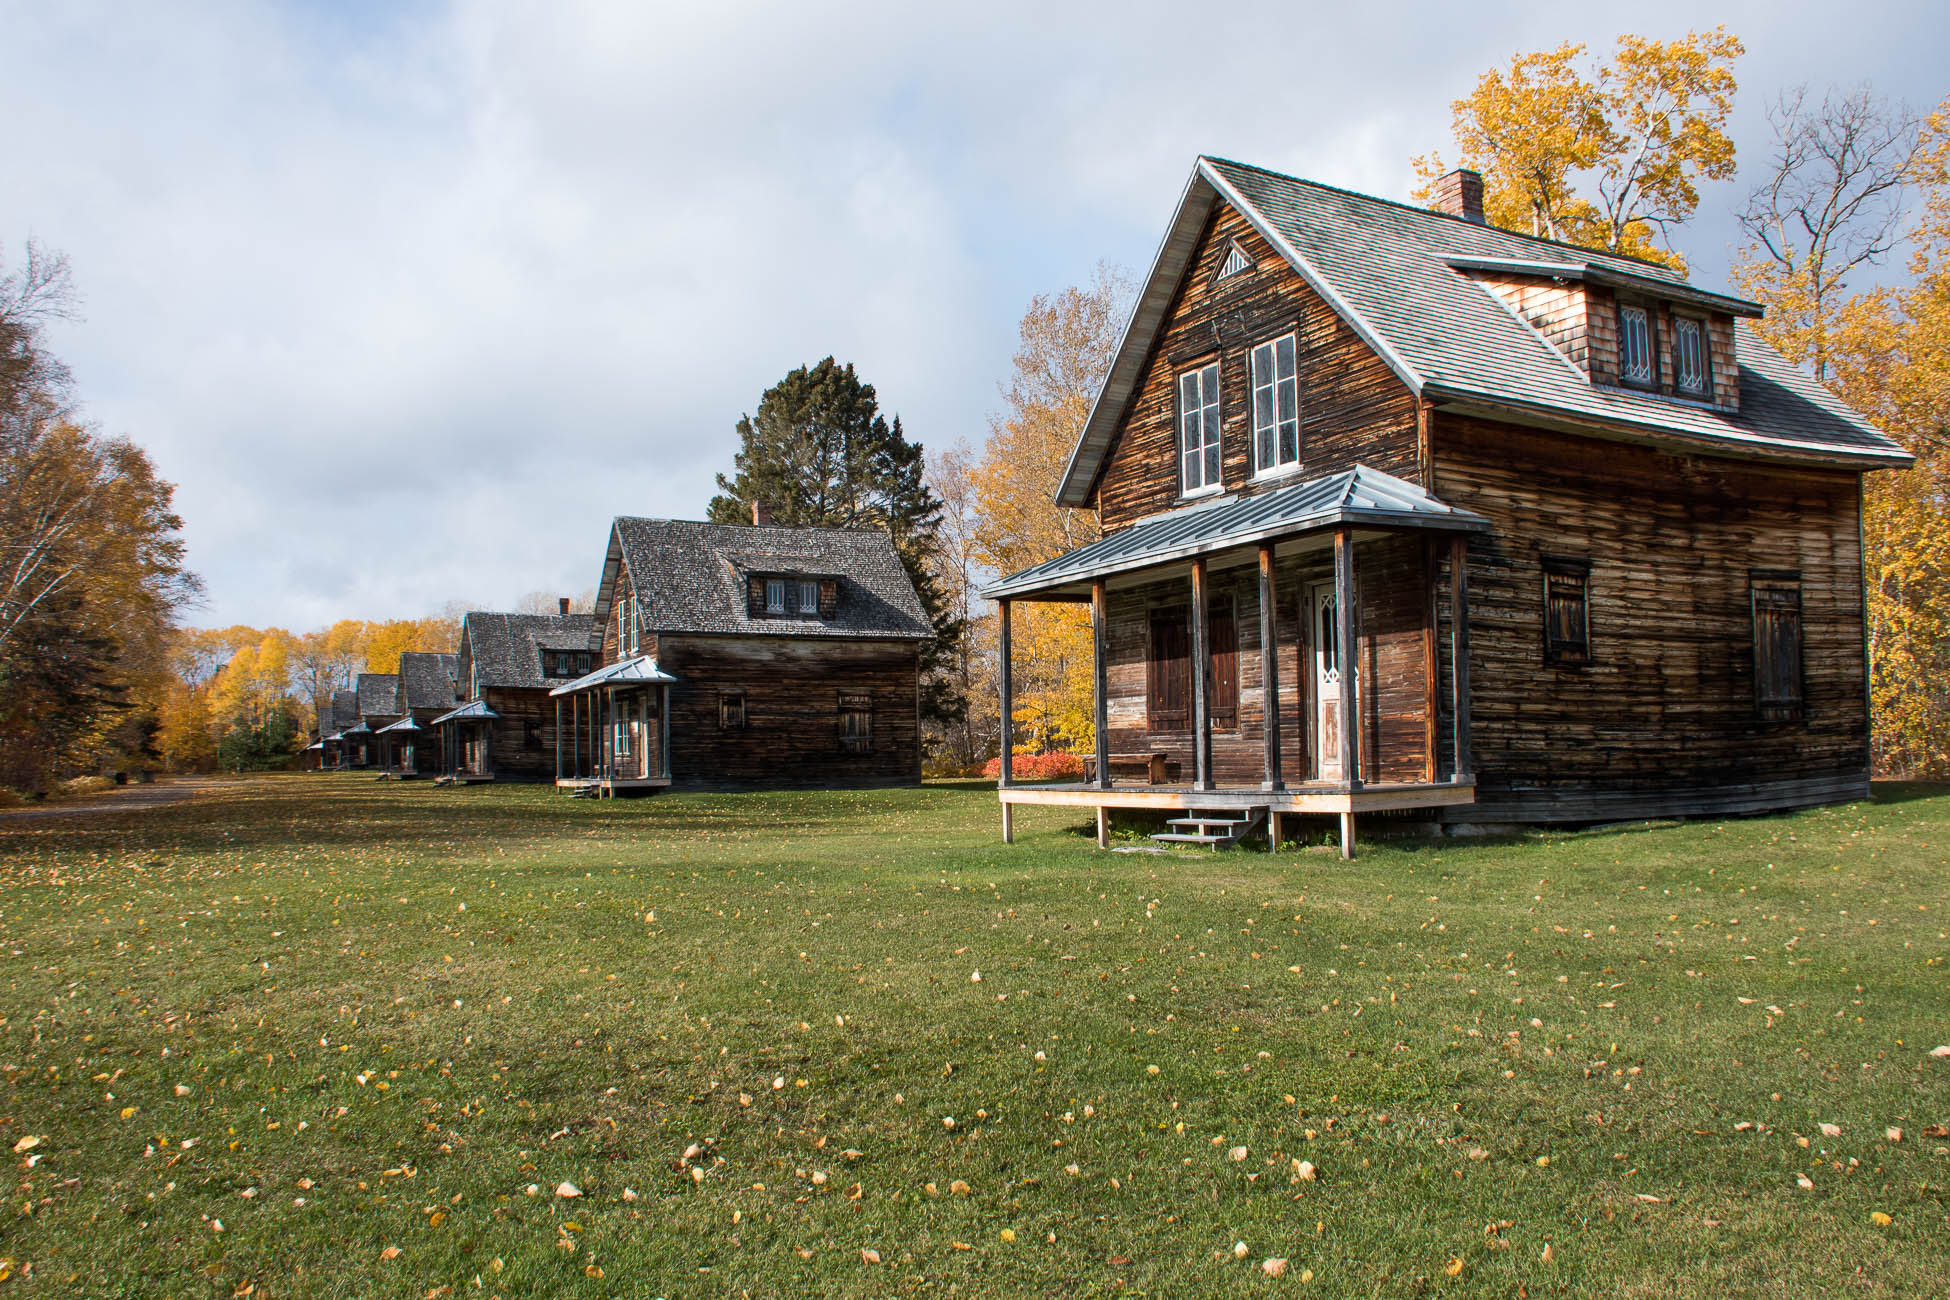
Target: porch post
(558, 738)
(1269, 670)
(663, 728)
(1100, 637)
(1005, 769)
(1344, 609)
(1459, 648)
(1201, 681)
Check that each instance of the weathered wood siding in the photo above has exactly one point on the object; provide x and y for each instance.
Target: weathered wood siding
(1663, 720)
(1554, 308)
(523, 737)
(1353, 409)
(792, 689)
(1602, 334)
(1391, 622)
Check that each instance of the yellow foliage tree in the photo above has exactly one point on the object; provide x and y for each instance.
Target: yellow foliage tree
(1640, 131)
(1064, 349)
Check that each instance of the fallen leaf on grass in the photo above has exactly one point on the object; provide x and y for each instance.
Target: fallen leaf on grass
(866, 1256)
(26, 1144)
(1454, 1267)
(1273, 1267)
(567, 1190)
(1831, 1130)
(1880, 1219)
(391, 1252)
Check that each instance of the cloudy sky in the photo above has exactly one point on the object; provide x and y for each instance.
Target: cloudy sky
(411, 299)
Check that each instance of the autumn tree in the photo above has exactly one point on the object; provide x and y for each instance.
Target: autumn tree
(819, 454)
(1831, 207)
(1608, 158)
(957, 567)
(1064, 348)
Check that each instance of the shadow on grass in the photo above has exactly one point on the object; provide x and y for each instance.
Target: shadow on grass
(1907, 791)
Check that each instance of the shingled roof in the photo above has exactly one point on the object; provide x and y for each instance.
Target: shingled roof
(690, 577)
(1396, 275)
(345, 710)
(426, 681)
(378, 694)
(506, 649)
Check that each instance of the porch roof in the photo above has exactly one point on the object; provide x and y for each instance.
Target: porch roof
(1360, 497)
(472, 711)
(404, 724)
(640, 671)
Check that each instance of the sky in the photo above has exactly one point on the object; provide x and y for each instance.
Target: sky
(410, 300)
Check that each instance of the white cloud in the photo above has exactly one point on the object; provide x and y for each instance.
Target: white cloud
(409, 306)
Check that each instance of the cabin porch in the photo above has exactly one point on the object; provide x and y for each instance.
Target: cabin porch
(467, 743)
(1227, 678)
(618, 727)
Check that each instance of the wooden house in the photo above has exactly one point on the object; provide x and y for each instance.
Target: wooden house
(1402, 511)
(336, 711)
(504, 727)
(731, 656)
(376, 700)
(424, 691)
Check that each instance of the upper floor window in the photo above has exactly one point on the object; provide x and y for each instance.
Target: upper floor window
(1691, 368)
(808, 596)
(1276, 404)
(1198, 428)
(1635, 345)
(775, 595)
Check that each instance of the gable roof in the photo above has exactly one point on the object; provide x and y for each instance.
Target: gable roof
(378, 694)
(1391, 272)
(506, 649)
(426, 681)
(690, 577)
(1353, 497)
(345, 709)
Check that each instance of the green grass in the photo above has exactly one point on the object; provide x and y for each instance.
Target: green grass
(355, 1022)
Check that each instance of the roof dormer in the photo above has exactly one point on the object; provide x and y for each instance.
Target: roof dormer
(1623, 329)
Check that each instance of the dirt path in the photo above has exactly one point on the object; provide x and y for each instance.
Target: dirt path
(130, 798)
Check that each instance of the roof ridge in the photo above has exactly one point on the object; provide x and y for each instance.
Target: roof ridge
(1437, 212)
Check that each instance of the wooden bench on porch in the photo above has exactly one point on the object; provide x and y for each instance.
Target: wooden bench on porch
(1151, 763)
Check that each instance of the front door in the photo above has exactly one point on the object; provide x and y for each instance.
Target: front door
(1326, 638)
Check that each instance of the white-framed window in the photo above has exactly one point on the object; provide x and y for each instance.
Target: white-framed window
(808, 596)
(1635, 344)
(1692, 370)
(1276, 404)
(775, 595)
(1198, 428)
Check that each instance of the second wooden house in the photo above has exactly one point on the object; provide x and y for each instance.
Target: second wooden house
(505, 728)
(732, 656)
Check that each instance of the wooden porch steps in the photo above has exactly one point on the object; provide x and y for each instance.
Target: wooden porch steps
(1218, 831)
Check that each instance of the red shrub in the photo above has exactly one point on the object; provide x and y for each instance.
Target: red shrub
(1039, 767)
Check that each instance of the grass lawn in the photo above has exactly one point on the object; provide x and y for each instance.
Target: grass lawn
(370, 1029)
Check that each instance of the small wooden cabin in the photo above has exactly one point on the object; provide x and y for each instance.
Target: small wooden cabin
(730, 656)
(1402, 511)
(376, 702)
(505, 727)
(425, 690)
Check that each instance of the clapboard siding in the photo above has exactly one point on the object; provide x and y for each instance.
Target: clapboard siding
(1353, 409)
(523, 737)
(792, 691)
(1391, 651)
(1664, 714)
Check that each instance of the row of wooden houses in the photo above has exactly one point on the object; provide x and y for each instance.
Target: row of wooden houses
(717, 656)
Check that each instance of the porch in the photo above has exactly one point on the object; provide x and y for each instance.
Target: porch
(618, 725)
(1274, 655)
(467, 743)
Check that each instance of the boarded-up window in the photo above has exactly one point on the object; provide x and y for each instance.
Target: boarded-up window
(1777, 645)
(856, 724)
(1567, 610)
(1222, 633)
(1168, 670)
(731, 710)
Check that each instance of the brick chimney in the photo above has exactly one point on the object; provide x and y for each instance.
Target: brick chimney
(564, 603)
(1460, 194)
(761, 513)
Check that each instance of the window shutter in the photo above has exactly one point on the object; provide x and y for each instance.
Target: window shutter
(1169, 677)
(829, 597)
(754, 596)
(1777, 649)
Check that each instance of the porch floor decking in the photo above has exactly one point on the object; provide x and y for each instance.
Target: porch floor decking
(1301, 797)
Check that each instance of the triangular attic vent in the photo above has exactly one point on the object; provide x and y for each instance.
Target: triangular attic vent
(1236, 263)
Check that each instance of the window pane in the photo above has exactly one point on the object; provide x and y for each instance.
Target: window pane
(808, 598)
(775, 595)
(1287, 369)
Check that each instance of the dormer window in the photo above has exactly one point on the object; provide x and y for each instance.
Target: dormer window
(1636, 346)
(1692, 367)
(790, 595)
(775, 595)
(808, 596)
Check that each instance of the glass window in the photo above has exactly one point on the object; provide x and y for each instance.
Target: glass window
(1567, 611)
(1689, 358)
(775, 595)
(808, 597)
(1634, 345)
(1198, 422)
(1276, 404)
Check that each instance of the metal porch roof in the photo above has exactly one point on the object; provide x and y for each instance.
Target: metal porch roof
(1359, 497)
(472, 711)
(640, 671)
(404, 724)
